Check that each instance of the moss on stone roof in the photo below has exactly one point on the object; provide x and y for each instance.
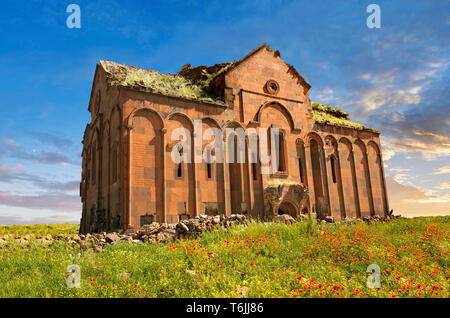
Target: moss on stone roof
(183, 87)
(324, 114)
(328, 109)
(323, 118)
(153, 81)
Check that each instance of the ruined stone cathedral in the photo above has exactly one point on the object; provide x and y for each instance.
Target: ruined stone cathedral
(328, 165)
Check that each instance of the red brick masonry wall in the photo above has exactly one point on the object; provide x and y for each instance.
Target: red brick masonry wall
(129, 178)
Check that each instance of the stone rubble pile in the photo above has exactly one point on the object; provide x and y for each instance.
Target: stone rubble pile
(150, 233)
(163, 232)
(287, 219)
(367, 219)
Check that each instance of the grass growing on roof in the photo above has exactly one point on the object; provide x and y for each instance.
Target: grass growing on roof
(167, 84)
(322, 118)
(326, 108)
(154, 81)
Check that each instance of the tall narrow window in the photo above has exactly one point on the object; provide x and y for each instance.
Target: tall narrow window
(208, 167)
(179, 171)
(300, 169)
(180, 167)
(281, 155)
(333, 168)
(208, 164)
(255, 176)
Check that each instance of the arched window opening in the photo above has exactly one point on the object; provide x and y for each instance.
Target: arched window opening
(300, 169)
(208, 164)
(208, 167)
(179, 171)
(333, 168)
(180, 164)
(281, 153)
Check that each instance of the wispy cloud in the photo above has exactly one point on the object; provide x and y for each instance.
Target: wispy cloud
(387, 151)
(11, 174)
(52, 138)
(13, 149)
(442, 170)
(45, 157)
(425, 144)
(9, 143)
(423, 129)
(444, 186)
(436, 199)
(408, 200)
(54, 201)
(18, 220)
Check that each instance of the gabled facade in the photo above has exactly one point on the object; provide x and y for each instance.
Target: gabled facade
(129, 179)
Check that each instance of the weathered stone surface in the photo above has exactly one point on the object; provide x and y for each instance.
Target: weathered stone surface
(205, 222)
(128, 239)
(284, 218)
(277, 195)
(329, 219)
(182, 227)
(112, 238)
(166, 235)
(322, 148)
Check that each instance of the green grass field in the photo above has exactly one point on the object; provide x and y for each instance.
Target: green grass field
(255, 260)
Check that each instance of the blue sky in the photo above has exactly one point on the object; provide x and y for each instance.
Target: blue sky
(394, 79)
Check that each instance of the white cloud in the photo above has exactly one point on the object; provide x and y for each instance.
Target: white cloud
(428, 200)
(387, 151)
(402, 178)
(327, 91)
(378, 97)
(326, 96)
(444, 186)
(442, 170)
(388, 154)
(408, 200)
(398, 169)
(428, 145)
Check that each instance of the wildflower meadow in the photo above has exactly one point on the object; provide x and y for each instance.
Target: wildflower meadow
(304, 259)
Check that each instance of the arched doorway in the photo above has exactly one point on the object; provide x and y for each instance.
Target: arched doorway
(287, 207)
